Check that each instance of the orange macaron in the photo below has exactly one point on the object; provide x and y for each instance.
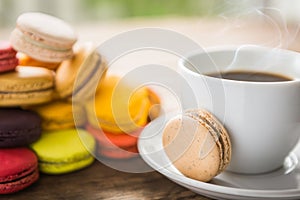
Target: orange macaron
(112, 145)
(25, 60)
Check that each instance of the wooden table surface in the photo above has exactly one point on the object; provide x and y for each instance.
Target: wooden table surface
(101, 182)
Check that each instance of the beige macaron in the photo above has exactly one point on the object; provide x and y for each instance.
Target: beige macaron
(78, 78)
(43, 37)
(197, 144)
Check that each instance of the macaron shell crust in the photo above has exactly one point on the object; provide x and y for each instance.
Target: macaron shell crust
(115, 146)
(48, 27)
(18, 169)
(8, 59)
(118, 110)
(195, 147)
(58, 115)
(6, 50)
(27, 79)
(129, 152)
(86, 83)
(56, 168)
(26, 85)
(64, 150)
(16, 162)
(18, 127)
(79, 75)
(8, 64)
(106, 139)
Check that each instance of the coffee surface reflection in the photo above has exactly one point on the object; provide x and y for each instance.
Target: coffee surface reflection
(252, 76)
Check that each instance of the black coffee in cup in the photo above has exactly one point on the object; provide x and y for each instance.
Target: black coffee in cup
(252, 76)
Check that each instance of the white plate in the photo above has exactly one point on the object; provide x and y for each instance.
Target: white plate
(283, 183)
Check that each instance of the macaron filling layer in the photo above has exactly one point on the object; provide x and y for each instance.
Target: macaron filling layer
(25, 98)
(14, 135)
(216, 131)
(48, 124)
(19, 184)
(27, 79)
(27, 91)
(95, 61)
(40, 42)
(20, 176)
(66, 161)
(14, 177)
(60, 167)
(35, 50)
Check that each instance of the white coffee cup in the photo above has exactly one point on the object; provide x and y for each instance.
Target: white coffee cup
(262, 118)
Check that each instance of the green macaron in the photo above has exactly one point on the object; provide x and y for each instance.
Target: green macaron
(64, 151)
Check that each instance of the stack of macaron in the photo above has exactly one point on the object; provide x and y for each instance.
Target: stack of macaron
(19, 165)
(58, 106)
(46, 42)
(18, 128)
(117, 115)
(38, 79)
(62, 148)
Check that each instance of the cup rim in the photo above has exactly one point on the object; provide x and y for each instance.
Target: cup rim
(182, 61)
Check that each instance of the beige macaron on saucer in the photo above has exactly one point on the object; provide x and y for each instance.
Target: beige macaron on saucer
(194, 142)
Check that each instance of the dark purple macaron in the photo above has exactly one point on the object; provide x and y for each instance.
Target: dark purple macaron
(18, 127)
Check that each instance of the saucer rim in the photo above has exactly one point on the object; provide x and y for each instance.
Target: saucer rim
(206, 186)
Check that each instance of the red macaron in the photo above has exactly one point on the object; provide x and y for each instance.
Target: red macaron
(117, 146)
(18, 169)
(8, 59)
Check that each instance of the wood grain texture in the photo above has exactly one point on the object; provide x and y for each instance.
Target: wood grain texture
(101, 182)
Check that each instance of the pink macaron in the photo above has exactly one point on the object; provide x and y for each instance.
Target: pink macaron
(8, 59)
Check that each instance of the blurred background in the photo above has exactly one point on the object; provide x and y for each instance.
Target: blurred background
(273, 23)
(83, 11)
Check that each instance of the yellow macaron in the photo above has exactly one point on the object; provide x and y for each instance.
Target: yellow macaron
(26, 86)
(118, 108)
(60, 114)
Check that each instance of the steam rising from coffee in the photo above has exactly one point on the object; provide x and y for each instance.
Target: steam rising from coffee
(265, 16)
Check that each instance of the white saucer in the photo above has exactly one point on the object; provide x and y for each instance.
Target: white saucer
(283, 183)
